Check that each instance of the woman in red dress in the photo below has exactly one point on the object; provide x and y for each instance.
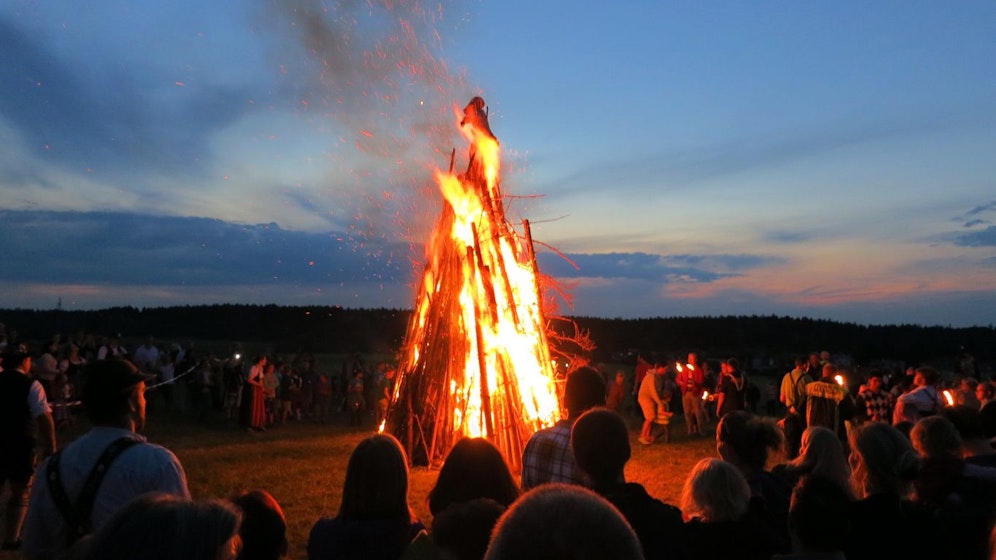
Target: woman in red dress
(254, 391)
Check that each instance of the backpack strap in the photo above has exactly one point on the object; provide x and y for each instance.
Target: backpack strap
(77, 515)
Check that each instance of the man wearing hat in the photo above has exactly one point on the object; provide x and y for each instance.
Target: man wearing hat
(90, 479)
(24, 417)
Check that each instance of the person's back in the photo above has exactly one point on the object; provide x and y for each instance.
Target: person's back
(374, 520)
(547, 456)
(722, 524)
(884, 524)
(600, 440)
(114, 401)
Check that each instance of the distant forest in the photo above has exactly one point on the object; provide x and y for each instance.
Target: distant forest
(337, 330)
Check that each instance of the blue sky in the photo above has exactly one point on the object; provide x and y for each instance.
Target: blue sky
(823, 159)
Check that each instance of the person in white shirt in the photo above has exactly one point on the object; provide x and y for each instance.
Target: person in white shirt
(114, 401)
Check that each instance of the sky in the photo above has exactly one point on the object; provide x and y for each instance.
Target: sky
(833, 160)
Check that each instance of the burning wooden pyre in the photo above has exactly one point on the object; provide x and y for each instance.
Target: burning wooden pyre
(476, 360)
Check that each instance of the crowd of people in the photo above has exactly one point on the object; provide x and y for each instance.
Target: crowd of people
(911, 477)
(257, 391)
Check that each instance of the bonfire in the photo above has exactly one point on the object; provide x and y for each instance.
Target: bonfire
(476, 360)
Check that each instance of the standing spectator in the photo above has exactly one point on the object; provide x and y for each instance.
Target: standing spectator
(613, 400)
(167, 376)
(922, 401)
(731, 389)
(71, 365)
(270, 385)
(873, 404)
(323, 396)
(355, 399)
(385, 389)
(111, 348)
(46, 367)
(600, 440)
(548, 456)
(987, 412)
(652, 405)
(232, 381)
(828, 403)
(691, 382)
(287, 388)
(201, 385)
(793, 396)
(24, 411)
(253, 405)
(374, 519)
(965, 395)
(111, 461)
(643, 367)
(984, 393)
(146, 356)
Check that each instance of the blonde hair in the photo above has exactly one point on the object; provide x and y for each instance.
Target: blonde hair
(823, 454)
(715, 491)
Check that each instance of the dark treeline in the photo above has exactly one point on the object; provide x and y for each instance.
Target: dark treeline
(340, 330)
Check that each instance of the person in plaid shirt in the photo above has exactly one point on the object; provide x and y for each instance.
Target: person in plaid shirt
(548, 456)
(874, 404)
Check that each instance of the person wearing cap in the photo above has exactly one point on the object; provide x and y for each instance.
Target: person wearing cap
(114, 401)
(25, 417)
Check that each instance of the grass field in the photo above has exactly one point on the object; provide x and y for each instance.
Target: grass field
(303, 465)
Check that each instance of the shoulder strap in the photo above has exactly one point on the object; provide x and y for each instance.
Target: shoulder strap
(77, 515)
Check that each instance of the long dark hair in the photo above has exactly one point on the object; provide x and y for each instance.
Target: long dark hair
(376, 485)
(473, 469)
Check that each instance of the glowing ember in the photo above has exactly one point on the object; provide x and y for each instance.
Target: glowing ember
(475, 361)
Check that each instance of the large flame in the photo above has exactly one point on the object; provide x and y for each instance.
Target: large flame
(478, 331)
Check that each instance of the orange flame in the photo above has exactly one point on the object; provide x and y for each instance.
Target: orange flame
(948, 397)
(499, 381)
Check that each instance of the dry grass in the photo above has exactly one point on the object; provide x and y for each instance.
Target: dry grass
(303, 465)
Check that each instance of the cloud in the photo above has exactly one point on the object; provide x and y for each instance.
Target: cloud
(120, 122)
(645, 266)
(787, 237)
(981, 209)
(746, 153)
(979, 238)
(133, 249)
